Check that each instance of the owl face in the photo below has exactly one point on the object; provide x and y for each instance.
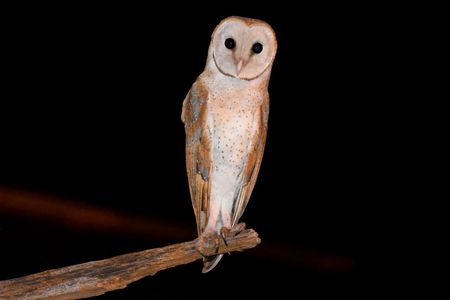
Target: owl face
(243, 48)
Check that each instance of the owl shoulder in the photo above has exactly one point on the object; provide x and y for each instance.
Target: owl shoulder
(195, 101)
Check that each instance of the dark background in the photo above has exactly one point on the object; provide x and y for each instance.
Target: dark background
(90, 113)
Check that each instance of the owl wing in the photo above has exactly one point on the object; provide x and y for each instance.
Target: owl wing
(252, 164)
(198, 151)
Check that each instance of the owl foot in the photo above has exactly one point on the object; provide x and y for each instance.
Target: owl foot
(211, 240)
(226, 232)
(238, 228)
(208, 241)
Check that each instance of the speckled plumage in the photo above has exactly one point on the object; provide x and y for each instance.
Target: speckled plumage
(225, 115)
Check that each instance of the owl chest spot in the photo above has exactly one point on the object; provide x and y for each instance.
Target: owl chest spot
(231, 122)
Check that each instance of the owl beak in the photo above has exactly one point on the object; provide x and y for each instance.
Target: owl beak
(239, 67)
(240, 64)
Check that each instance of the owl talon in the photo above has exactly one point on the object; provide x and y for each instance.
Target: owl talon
(224, 234)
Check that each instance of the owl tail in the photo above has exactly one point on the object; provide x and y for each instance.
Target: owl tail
(210, 262)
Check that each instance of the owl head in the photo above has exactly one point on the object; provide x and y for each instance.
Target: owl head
(243, 48)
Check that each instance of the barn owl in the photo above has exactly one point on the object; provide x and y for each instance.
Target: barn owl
(225, 118)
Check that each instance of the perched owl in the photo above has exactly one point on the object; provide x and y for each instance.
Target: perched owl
(225, 117)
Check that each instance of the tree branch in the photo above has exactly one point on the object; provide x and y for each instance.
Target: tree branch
(98, 277)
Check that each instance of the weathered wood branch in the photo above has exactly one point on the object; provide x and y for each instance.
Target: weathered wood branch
(98, 277)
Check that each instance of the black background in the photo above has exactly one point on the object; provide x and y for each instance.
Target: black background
(90, 112)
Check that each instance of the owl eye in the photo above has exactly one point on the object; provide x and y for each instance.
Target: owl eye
(230, 43)
(257, 48)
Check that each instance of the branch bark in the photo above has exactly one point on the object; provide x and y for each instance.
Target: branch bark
(98, 277)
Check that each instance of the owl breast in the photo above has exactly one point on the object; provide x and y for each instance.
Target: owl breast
(232, 120)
